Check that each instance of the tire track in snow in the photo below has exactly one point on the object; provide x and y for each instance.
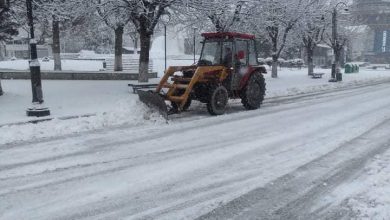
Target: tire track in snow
(292, 195)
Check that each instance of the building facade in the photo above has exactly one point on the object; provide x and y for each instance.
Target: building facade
(19, 48)
(375, 15)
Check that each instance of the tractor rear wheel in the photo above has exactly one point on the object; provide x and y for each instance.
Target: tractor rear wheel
(218, 100)
(253, 94)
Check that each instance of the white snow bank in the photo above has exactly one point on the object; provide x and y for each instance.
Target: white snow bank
(127, 112)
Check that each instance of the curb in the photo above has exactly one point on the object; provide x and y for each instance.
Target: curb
(46, 119)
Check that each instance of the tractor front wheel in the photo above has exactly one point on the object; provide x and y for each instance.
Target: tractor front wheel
(218, 100)
(253, 94)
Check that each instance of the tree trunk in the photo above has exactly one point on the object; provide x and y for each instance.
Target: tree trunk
(118, 66)
(310, 64)
(135, 45)
(144, 56)
(56, 47)
(337, 58)
(1, 89)
(274, 66)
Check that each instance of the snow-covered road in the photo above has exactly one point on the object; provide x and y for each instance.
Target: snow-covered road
(275, 162)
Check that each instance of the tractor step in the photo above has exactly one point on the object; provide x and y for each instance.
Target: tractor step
(176, 98)
(181, 79)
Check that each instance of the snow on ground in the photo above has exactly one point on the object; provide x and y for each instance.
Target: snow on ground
(108, 101)
(114, 105)
(67, 65)
(371, 199)
(366, 195)
(185, 169)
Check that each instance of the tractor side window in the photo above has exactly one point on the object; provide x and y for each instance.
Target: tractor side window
(211, 54)
(241, 52)
(227, 54)
(252, 54)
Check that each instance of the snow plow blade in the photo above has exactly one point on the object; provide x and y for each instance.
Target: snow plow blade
(154, 101)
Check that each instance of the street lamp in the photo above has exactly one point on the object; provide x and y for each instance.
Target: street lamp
(195, 28)
(37, 109)
(336, 73)
(165, 19)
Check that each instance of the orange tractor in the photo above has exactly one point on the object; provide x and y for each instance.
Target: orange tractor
(227, 68)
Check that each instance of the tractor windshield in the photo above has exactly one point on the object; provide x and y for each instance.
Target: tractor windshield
(216, 53)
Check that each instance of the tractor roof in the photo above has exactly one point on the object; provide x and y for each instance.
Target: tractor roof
(228, 35)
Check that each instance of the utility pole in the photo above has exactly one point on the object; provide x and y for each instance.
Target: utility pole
(165, 46)
(165, 19)
(334, 43)
(37, 109)
(194, 43)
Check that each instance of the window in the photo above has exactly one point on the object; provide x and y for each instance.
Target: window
(242, 52)
(227, 54)
(211, 54)
(252, 54)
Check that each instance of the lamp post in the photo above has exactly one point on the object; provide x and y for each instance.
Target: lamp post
(165, 18)
(37, 109)
(336, 72)
(194, 43)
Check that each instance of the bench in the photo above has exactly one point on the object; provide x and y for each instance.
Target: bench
(142, 86)
(317, 75)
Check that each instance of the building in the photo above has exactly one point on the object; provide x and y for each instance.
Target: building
(19, 48)
(375, 16)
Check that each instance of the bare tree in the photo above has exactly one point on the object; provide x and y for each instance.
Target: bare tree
(8, 28)
(311, 31)
(224, 15)
(115, 16)
(144, 15)
(56, 14)
(277, 18)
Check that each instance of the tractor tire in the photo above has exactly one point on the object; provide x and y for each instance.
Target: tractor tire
(253, 94)
(218, 99)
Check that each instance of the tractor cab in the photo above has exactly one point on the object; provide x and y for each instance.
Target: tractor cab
(235, 51)
(228, 48)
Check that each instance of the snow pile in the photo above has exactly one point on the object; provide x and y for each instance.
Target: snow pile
(127, 113)
(374, 201)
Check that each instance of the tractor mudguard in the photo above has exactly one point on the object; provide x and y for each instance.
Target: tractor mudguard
(250, 72)
(154, 101)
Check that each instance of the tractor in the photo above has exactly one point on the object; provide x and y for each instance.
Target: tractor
(227, 68)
